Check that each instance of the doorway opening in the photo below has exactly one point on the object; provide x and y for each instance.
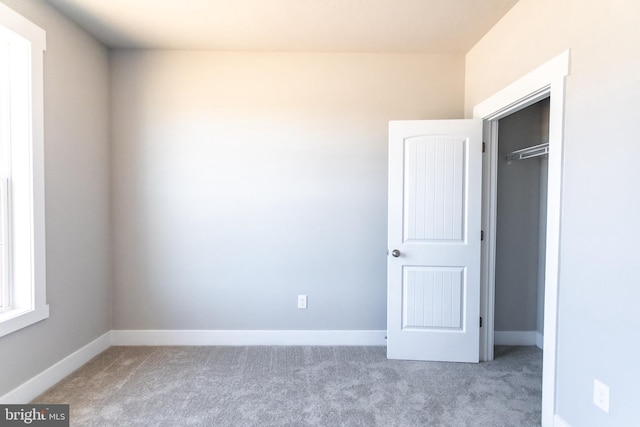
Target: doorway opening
(520, 244)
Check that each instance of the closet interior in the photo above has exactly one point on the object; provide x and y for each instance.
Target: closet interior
(523, 144)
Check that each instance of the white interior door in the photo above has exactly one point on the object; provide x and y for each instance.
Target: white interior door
(435, 177)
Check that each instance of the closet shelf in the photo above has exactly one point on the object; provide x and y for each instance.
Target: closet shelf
(529, 152)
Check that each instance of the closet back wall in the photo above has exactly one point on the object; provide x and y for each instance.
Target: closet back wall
(520, 221)
(244, 179)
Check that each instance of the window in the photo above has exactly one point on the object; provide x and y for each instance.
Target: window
(22, 249)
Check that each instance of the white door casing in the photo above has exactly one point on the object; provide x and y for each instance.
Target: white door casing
(546, 80)
(435, 171)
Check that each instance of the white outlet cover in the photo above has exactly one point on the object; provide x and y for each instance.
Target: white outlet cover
(601, 395)
(302, 301)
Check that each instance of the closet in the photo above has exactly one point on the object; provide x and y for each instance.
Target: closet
(521, 225)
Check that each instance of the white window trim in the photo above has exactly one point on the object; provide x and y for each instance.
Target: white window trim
(35, 309)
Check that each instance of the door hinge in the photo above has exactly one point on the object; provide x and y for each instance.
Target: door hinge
(483, 147)
(481, 235)
(481, 322)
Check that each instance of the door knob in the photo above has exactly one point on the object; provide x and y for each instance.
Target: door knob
(395, 253)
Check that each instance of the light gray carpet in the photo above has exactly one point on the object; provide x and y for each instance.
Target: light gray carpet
(299, 386)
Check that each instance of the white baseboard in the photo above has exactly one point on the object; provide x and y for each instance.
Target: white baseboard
(241, 337)
(516, 338)
(49, 377)
(559, 422)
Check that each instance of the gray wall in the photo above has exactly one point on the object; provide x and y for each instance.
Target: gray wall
(76, 124)
(599, 275)
(241, 180)
(519, 220)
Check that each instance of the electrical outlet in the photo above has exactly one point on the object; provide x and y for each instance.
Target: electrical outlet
(302, 301)
(601, 395)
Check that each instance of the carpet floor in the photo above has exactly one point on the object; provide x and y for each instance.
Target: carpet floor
(299, 386)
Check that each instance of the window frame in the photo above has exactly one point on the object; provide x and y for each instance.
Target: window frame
(24, 220)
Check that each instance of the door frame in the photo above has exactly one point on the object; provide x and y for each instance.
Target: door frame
(548, 80)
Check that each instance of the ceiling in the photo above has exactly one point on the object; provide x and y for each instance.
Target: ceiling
(403, 26)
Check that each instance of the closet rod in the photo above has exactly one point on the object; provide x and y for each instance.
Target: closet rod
(529, 152)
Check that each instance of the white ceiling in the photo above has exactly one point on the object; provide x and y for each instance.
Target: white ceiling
(420, 26)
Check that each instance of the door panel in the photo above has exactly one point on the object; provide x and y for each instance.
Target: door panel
(432, 297)
(433, 188)
(434, 223)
